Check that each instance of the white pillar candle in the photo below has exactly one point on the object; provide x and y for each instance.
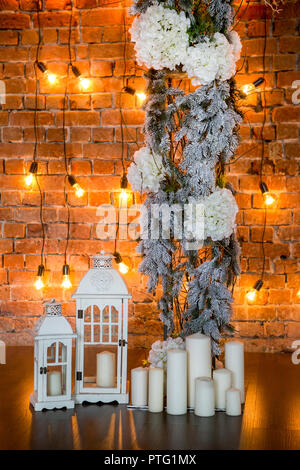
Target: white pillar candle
(2, 353)
(176, 382)
(204, 397)
(233, 402)
(139, 385)
(222, 382)
(106, 369)
(53, 383)
(156, 389)
(198, 349)
(234, 361)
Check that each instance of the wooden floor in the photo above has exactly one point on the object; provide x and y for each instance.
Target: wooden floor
(271, 418)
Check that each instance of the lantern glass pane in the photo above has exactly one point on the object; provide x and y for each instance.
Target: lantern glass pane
(87, 314)
(105, 314)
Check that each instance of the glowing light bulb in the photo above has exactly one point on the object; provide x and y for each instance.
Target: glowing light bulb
(123, 268)
(78, 190)
(84, 82)
(248, 88)
(123, 196)
(251, 295)
(298, 293)
(51, 77)
(32, 171)
(268, 199)
(39, 283)
(141, 95)
(66, 283)
(29, 179)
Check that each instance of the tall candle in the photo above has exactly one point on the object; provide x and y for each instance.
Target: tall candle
(176, 382)
(198, 349)
(233, 402)
(139, 385)
(156, 389)
(222, 382)
(204, 397)
(106, 369)
(234, 361)
(54, 383)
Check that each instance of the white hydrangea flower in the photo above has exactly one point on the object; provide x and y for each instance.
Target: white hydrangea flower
(160, 36)
(158, 353)
(235, 41)
(146, 172)
(220, 209)
(211, 59)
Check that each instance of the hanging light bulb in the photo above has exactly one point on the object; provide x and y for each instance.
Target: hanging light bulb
(39, 283)
(132, 91)
(79, 191)
(252, 294)
(124, 193)
(298, 293)
(50, 76)
(32, 171)
(122, 267)
(250, 87)
(141, 95)
(269, 200)
(84, 82)
(66, 283)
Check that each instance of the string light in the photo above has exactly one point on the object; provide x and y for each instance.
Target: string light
(250, 87)
(252, 294)
(132, 91)
(269, 200)
(79, 191)
(32, 171)
(298, 293)
(66, 283)
(85, 82)
(122, 267)
(124, 193)
(50, 76)
(39, 283)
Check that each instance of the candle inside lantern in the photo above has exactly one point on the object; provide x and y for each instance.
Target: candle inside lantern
(176, 382)
(106, 369)
(222, 382)
(198, 349)
(233, 402)
(204, 397)
(139, 386)
(234, 361)
(54, 383)
(156, 389)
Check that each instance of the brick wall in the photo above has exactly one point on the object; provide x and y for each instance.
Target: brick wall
(94, 143)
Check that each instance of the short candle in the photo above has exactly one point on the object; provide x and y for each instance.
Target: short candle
(54, 383)
(139, 386)
(106, 369)
(222, 382)
(204, 397)
(233, 402)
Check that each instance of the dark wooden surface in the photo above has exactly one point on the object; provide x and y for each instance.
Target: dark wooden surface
(271, 418)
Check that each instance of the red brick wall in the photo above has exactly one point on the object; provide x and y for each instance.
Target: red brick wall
(94, 143)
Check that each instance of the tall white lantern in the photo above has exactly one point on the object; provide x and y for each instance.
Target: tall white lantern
(102, 332)
(52, 360)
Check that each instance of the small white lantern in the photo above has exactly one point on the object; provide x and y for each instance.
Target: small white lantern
(102, 331)
(52, 360)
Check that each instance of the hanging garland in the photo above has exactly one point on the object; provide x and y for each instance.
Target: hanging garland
(189, 139)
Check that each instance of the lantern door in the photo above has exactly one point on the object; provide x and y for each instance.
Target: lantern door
(100, 347)
(55, 370)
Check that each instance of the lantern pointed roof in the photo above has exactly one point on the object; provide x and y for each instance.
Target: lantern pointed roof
(53, 323)
(102, 280)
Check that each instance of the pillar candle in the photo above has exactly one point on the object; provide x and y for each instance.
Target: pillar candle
(222, 382)
(106, 369)
(234, 361)
(198, 349)
(204, 397)
(54, 383)
(233, 402)
(139, 385)
(176, 382)
(156, 389)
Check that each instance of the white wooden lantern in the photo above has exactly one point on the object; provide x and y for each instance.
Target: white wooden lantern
(102, 331)
(52, 360)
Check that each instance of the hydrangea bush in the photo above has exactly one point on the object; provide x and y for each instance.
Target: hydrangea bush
(189, 138)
